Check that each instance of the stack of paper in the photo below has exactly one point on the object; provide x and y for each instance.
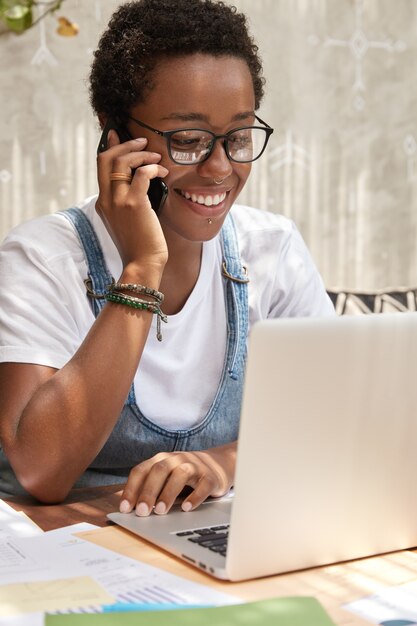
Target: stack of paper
(58, 572)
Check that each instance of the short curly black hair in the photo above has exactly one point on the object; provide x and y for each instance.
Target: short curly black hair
(142, 32)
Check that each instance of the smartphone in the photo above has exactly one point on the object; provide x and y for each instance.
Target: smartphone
(158, 190)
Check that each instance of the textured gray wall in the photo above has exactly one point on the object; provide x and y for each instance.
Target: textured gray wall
(341, 95)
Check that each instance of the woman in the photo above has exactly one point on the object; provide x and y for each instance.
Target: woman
(90, 395)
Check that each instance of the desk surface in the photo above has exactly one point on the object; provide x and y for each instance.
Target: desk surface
(332, 585)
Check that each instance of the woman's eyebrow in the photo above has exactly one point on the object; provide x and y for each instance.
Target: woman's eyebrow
(201, 117)
(187, 117)
(243, 116)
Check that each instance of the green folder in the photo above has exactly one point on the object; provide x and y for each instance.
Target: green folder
(293, 611)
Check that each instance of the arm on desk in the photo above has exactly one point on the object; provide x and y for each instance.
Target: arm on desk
(50, 435)
(53, 423)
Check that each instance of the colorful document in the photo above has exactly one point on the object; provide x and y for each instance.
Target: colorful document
(32, 570)
(293, 611)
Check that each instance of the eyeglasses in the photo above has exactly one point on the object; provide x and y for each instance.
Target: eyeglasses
(188, 146)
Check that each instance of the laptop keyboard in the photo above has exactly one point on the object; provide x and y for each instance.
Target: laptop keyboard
(213, 537)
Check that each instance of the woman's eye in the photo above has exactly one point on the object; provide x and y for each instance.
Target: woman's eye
(185, 142)
(239, 140)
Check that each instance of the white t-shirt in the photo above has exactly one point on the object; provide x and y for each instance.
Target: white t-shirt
(45, 314)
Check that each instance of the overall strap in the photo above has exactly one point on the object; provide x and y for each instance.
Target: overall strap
(237, 297)
(98, 274)
(99, 277)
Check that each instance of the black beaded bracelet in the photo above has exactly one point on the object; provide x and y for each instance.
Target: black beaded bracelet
(135, 288)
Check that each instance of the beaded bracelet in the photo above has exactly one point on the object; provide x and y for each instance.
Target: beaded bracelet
(122, 287)
(137, 303)
(135, 288)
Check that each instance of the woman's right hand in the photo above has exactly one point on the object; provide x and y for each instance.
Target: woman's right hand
(125, 207)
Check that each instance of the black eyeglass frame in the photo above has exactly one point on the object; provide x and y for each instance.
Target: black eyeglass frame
(167, 134)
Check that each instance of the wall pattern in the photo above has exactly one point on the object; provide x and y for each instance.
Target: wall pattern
(341, 96)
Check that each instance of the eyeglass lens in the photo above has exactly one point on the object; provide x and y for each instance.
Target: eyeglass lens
(193, 146)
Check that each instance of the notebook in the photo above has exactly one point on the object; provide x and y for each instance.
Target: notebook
(326, 466)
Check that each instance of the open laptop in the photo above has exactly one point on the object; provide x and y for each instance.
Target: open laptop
(326, 468)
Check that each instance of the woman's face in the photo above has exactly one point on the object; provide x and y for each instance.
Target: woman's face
(209, 93)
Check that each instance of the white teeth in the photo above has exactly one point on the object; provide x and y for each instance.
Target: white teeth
(206, 200)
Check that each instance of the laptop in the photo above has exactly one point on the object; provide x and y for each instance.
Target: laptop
(326, 466)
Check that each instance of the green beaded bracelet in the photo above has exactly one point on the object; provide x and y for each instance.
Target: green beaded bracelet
(137, 303)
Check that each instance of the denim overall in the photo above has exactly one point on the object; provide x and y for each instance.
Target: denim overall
(134, 437)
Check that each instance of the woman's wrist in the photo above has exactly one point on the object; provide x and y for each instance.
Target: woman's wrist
(149, 274)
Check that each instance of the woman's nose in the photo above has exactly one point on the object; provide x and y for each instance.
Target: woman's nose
(218, 164)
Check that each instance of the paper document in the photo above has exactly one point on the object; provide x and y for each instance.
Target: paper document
(51, 595)
(34, 577)
(395, 605)
(126, 579)
(31, 559)
(58, 555)
(15, 524)
(295, 611)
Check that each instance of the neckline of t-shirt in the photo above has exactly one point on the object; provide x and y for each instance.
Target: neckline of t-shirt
(203, 286)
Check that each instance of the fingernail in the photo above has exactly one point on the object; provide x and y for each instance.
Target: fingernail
(160, 508)
(125, 507)
(186, 506)
(142, 509)
(140, 139)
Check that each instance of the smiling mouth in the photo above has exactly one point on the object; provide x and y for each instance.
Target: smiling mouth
(205, 200)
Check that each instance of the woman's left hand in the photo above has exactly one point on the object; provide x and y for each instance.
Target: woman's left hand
(155, 484)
